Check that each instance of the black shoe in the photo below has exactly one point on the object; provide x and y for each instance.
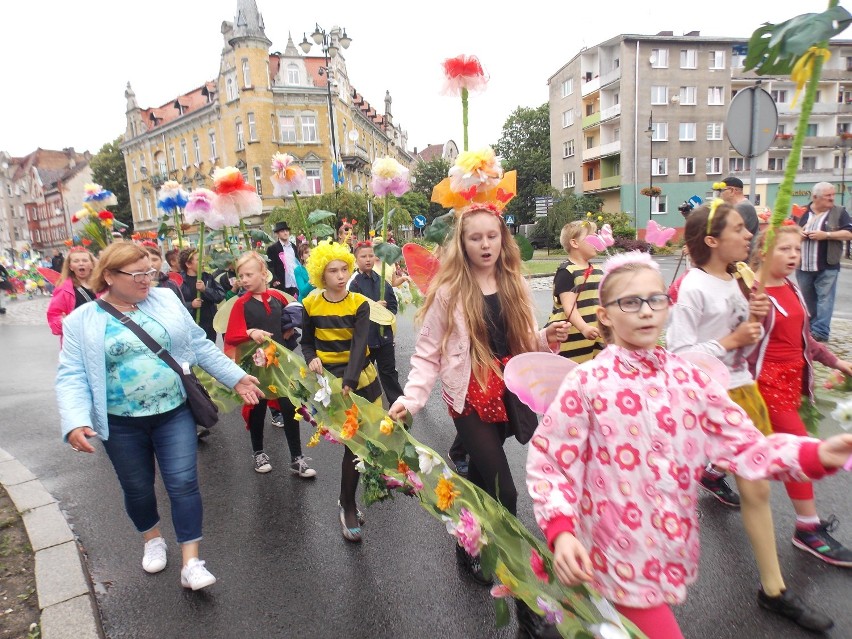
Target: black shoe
(789, 605)
(461, 467)
(531, 625)
(2, 311)
(718, 487)
(473, 566)
(201, 431)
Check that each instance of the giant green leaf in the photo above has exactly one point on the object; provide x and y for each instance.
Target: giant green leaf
(527, 249)
(440, 228)
(387, 252)
(318, 216)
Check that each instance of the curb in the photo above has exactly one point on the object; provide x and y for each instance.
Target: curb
(65, 596)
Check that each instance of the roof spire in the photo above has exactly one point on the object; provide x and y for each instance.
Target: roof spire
(248, 22)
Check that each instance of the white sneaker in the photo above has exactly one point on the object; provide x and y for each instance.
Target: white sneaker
(154, 559)
(300, 467)
(194, 575)
(261, 463)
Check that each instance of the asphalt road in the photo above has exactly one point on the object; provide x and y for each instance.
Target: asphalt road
(284, 569)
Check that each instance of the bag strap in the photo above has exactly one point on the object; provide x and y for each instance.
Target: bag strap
(144, 336)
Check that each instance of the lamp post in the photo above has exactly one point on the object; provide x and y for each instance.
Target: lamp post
(330, 41)
(650, 131)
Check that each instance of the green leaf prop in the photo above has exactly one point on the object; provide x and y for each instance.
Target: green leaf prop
(387, 252)
(318, 216)
(774, 49)
(525, 246)
(440, 228)
(322, 231)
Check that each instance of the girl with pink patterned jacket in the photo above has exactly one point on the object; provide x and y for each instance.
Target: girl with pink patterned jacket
(612, 466)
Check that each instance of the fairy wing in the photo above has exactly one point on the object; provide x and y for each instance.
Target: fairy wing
(658, 235)
(536, 377)
(606, 235)
(381, 315)
(596, 242)
(49, 274)
(714, 368)
(220, 320)
(422, 265)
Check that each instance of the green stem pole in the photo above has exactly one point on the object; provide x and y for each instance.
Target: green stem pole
(178, 221)
(245, 233)
(306, 227)
(200, 274)
(464, 115)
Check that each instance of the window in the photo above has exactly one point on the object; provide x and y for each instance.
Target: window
(687, 132)
(287, 124)
(686, 166)
(714, 131)
(567, 118)
(246, 74)
(590, 142)
(184, 154)
(172, 157)
(142, 168)
(717, 59)
(782, 129)
(779, 95)
(688, 58)
(590, 174)
(252, 127)
(659, 204)
(777, 164)
(213, 154)
(738, 164)
(196, 149)
(715, 95)
(809, 163)
(567, 87)
(660, 58)
(258, 182)
(138, 208)
(162, 167)
(659, 95)
(230, 89)
(133, 166)
(812, 130)
(569, 181)
(240, 137)
(293, 74)
(147, 208)
(659, 166)
(689, 95)
(659, 131)
(568, 149)
(590, 109)
(713, 166)
(309, 128)
(268, 79)
(314, 181)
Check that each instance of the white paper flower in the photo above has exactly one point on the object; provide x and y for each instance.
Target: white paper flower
(324, 393)
(426, 460)
(843, 414)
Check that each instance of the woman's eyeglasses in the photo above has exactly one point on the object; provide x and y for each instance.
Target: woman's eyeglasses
(142, 276)
(633, 303)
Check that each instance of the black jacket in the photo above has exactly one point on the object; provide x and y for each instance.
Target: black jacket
(368, 285)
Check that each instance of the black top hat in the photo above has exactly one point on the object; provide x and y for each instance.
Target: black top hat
(281, 226)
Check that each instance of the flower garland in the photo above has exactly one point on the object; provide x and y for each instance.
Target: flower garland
(391, 460)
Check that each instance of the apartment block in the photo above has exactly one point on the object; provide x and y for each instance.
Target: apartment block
(638, 111)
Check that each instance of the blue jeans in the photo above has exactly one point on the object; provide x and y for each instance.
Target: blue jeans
(818, 289)
(133, 444)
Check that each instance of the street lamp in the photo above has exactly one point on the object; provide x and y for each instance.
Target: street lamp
(330, 41)
(650, 132)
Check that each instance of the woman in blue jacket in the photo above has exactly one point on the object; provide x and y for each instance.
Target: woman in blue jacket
(111, 386)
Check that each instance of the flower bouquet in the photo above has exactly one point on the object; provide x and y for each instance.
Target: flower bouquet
(93, 224)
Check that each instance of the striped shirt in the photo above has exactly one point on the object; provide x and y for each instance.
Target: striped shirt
(571, 278)
(337, 333)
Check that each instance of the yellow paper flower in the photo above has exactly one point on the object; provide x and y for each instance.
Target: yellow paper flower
(273, 389)
(502, 573)
(303, 372)
(446, 493)
(315, 438)
(475, 169)
(387, 168)
(297, 415)
(386, 426)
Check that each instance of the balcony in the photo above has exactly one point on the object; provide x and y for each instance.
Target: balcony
(591, 120)
(610, 148)
(615, 111)
(811, 141)
(611, 76)
(591, 185)
(844, 109)
(355, 157)
(590, 86)
(613, 182)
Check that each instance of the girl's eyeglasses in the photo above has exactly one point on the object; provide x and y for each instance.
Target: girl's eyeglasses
(633, 303)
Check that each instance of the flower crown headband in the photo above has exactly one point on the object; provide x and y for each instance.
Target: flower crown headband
(713, 206)
(617, 262)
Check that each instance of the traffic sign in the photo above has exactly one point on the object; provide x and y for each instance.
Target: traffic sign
(752, 122)
(420, 221)
(695, 201)
(510, 219)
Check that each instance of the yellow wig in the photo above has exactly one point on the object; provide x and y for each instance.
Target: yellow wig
(324, 253)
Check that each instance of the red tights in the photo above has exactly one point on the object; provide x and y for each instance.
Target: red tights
(656, 623)
(789, 422)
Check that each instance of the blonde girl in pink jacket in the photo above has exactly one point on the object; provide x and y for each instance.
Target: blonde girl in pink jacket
(612, 467)
(478, 313)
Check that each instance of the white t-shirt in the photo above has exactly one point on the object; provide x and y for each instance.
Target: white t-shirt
(707, 310)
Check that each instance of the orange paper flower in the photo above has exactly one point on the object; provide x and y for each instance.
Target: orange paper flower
(350, 426)
(446, 493)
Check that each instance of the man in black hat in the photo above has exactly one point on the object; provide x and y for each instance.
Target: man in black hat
(282, 260)
(733, 194)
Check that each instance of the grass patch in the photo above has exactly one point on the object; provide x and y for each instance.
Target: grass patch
(541, 267)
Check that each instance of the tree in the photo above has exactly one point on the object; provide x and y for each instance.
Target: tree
(524, 146)
(109, 171)
(427, 175)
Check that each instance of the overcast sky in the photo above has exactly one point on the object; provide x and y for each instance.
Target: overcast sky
(65, 64)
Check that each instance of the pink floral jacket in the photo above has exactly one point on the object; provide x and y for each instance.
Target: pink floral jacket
(615, 462)
(450, 362)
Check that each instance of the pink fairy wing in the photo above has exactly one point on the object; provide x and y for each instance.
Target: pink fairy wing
(596, 241)
(658, 235)
(49, 274)
(536, 377)
(606, 235)
(422, 265)
(715, 369)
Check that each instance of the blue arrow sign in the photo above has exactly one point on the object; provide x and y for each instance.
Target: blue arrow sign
(420, 221)
(695, 201)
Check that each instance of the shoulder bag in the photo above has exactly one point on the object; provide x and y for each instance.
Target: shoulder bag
(205, 412)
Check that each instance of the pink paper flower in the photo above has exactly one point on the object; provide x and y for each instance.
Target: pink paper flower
(537, 565)
(464, 72)
(389, 177)
(468, 532)
(287, 176)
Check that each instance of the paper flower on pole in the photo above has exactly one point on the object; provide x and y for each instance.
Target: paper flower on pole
(464, 72)
(200, 208)
(97, 193)
(476, 177)
(389, 177)
(234, 196)
(287, 176)
(171, 196)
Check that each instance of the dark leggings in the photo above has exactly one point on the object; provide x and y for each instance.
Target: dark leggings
(257, 420)
(489, 468)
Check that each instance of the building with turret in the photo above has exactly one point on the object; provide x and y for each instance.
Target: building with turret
(262, 102)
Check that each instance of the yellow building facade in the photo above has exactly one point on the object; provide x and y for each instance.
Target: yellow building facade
(260, 104)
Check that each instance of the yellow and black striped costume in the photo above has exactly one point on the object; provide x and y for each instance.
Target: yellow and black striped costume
(337, 333)
(571, 278)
